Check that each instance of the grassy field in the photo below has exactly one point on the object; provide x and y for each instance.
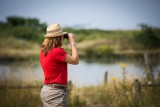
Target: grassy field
(112, 94)
(20, 97)
(119, 93)
(94, 43)
(15, 93)
(21, 35)
(115, 93)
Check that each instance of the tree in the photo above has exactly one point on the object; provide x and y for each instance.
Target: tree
(15, 21)
(149, 37)
(32, 23)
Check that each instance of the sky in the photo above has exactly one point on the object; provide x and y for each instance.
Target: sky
(100, 14)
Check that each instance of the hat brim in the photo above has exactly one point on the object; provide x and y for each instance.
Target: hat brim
(55, 35)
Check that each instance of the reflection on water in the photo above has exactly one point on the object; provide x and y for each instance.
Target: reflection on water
(93, 73)
(20, 72)
(82, 74)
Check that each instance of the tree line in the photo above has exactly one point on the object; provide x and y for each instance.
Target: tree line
(31, 29)
(32, 23)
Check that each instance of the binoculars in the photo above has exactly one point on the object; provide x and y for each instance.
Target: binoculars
(65, 36)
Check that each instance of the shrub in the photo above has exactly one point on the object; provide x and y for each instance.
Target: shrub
(149, 37)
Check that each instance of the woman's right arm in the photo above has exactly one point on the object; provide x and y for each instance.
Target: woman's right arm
(74, 58)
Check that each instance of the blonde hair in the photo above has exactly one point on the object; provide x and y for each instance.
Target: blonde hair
(49, 43)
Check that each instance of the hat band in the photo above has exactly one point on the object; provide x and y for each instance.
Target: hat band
(54, 31)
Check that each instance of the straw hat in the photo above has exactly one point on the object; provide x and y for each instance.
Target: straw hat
(54, 30)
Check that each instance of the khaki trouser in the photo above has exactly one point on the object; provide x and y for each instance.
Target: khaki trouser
(53, 97)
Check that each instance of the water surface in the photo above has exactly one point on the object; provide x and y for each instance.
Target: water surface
(83, 74)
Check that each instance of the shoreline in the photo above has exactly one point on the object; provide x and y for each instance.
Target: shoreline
(13, 55)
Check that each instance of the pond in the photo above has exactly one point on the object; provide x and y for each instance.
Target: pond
(83, 74)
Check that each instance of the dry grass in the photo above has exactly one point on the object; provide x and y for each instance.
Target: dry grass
(117, 95)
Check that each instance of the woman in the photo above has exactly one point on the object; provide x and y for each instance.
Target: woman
(54, 61)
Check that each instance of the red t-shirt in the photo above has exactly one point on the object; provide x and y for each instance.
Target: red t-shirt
(54, 66)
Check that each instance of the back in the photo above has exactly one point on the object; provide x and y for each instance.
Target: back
(54, 66)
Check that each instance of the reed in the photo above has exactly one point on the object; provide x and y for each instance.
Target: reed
(20, 96)
(119, 93)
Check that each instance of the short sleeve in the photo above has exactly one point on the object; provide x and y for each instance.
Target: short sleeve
(60, 54)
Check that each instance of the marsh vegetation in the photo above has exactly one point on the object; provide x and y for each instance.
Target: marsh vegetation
(20, 40)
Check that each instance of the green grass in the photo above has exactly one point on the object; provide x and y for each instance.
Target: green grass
(118, 96)
(13, 43)
(106, 94)
(105, 42)
(15, 93)
(118, 93)
(112, 95)
(115, 93)
(19, 97)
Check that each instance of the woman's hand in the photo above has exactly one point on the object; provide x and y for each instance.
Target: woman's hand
(72, 59)
(70, 38)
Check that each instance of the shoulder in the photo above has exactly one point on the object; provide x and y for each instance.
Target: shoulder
(41, 53)
(58, 50)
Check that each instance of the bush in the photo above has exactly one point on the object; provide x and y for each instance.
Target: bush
(149, 37)
(26, 33)
(99, 51)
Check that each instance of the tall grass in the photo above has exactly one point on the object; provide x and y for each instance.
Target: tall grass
(15, 93)
(119, 93)
(117, 96)
(20, 97)
(112, 94)
(115, 93)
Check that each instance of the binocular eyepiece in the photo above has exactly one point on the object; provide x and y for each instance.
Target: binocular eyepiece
(65, 36)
